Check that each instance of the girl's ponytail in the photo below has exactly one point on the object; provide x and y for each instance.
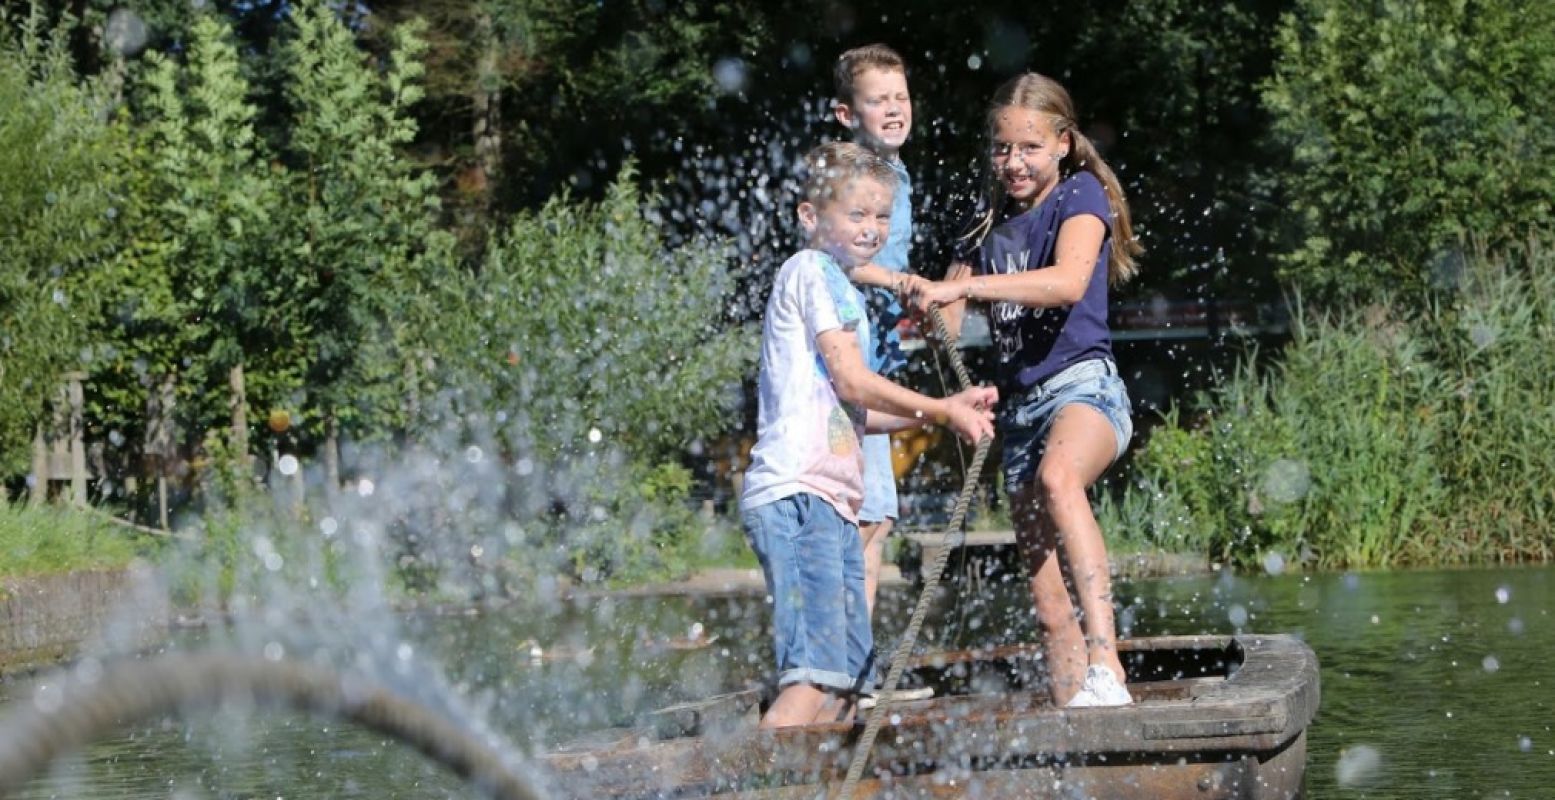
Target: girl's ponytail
(1122, 260)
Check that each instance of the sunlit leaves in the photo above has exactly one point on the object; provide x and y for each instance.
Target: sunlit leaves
(57, 206)
(1415, 127)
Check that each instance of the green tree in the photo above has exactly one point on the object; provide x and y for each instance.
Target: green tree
(57, 184)
(367, 218)
(201, 291)
(1415, 126)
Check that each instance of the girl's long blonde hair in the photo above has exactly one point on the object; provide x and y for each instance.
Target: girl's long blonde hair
(1046, 96)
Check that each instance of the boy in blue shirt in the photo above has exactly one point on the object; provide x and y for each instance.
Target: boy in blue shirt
(804, 486)
(873, 103)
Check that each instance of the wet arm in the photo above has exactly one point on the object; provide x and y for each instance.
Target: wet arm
(872, 274)
(1062, 284)
(891, 407)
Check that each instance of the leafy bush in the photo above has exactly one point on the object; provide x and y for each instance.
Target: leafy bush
(595, 359)
(1380, 437)
(591, 336)
(1415, 126)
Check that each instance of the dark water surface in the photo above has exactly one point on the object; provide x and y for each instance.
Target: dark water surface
(1435, 684)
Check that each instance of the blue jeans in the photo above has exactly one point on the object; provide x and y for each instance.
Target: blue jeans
(814, 568)
(1024, 420)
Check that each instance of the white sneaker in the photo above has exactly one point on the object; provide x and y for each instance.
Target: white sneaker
(869, 701)
(1101, 688)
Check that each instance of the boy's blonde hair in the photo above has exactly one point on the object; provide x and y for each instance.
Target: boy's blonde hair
(831, 166)
(1046, 96)
(853, 63)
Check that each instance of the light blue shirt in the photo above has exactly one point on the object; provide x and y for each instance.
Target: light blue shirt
(884, 310)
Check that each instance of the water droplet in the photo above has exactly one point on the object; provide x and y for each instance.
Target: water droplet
(524, 466)
(476, 551)
(731, 75)
(1503, 594)
(48, 697)
(90, 670)
(365, 488)
(1490, 664)
(974, 61)
(1376, 620)
(1357, 765)
(1524, 744)
(1237, 614)
(1286, 481)
(1514, 626)
(473, 454)
(1274, 563)
(273, 561)
(287, 465)
(404, 651)
(595, 435)
(274, 651)
(328, 526)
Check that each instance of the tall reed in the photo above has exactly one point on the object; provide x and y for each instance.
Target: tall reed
(1380, 436)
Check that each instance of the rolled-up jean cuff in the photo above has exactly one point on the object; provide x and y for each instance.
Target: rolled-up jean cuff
(825, 679)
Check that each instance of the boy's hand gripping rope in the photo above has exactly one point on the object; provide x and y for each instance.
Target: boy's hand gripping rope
(955, 528)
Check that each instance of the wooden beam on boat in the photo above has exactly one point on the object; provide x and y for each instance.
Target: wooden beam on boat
(1203, 703)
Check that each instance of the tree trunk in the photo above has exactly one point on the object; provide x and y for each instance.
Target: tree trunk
(412, 393)
(239, 404)
(331, 454)
(487, 103)
(77, 399)
(160, 438)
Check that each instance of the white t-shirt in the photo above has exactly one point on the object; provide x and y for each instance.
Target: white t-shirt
(807, 439)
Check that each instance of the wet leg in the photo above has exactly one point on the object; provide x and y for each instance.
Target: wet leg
(1063, 643)
(1080, 447)
(873, 537)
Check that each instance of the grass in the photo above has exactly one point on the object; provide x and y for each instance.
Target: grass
(51, 540)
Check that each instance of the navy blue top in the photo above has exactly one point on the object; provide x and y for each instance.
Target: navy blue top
(1037, 343)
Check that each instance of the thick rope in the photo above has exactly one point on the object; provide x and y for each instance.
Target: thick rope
(955, 528)
(63, 717)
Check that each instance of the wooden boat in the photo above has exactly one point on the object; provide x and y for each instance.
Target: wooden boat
(1214, 717)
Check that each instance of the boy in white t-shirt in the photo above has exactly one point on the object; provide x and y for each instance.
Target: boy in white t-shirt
(805, 482)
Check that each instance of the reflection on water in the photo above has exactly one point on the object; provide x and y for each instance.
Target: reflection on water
(1435, 684)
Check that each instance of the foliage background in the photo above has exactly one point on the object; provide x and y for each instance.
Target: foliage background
(543, 229)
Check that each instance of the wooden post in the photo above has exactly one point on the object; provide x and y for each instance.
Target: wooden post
(38, 493)
(77, 399)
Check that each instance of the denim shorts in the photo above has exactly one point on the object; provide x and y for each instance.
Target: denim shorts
(814, 568)
(879, 480)
(1025, 419)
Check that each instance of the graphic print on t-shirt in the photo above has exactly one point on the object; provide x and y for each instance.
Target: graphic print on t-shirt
(1005, 313)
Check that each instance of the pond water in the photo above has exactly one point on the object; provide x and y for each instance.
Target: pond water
(1435, 684)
